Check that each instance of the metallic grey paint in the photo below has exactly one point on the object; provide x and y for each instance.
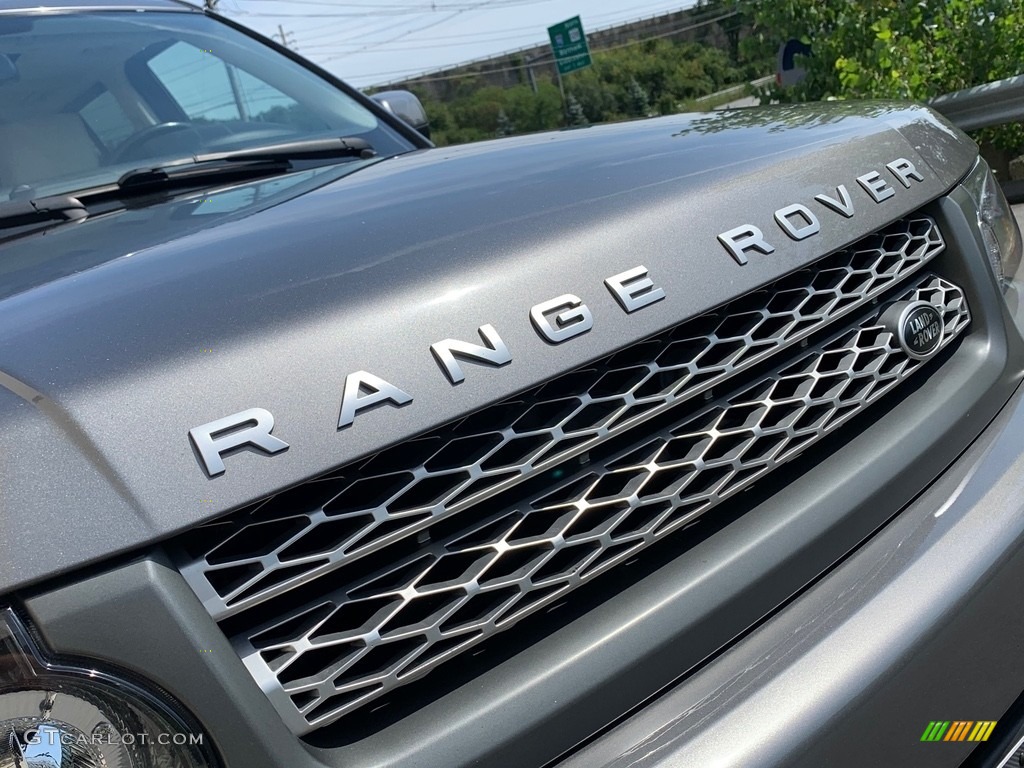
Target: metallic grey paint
(132, 328)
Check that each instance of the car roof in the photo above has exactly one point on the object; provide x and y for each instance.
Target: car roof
(49, 6)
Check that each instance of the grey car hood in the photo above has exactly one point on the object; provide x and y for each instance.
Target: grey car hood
(121, 333)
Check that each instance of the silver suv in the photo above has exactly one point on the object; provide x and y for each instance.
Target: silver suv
(692, 441)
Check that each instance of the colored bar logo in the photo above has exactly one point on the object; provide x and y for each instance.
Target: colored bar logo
(958, 730)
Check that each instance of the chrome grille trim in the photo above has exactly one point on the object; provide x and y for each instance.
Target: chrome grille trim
(305, 533)
(353, 645)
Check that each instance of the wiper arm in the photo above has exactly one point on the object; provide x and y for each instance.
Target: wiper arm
(18, 213)
(243, 163)
(145, 180)
(308, 149)
(197, 170)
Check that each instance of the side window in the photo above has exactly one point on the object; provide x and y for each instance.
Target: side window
(198, 81)
(107, 120)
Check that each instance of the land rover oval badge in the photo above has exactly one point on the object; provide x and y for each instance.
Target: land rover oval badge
(917, 326)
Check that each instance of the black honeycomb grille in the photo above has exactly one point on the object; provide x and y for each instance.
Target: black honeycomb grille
(358, 642)
(284, 541)
(349, 586)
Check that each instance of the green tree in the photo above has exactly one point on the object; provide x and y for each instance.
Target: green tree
(638, 104)
(531, 111)
(575, 111)
(897, 49)
(599, 98)
(731, 20)
(505, 125)
(623, 82)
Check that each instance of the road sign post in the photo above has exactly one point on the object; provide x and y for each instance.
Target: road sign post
(569, 44)
(571, 51)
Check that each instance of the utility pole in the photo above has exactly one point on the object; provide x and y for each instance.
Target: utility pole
(287, 38)
(561, 89)
(237, 92)
(528, 63)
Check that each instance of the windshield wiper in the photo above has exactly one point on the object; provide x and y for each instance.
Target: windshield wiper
(59, 208)
(243, 163)
(252, 162)
(307, 149)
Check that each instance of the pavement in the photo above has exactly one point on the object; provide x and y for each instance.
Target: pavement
(1018, 211)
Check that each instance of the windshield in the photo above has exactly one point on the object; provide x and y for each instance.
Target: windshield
(85, 97)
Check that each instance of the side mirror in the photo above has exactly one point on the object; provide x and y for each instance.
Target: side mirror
(406, 106)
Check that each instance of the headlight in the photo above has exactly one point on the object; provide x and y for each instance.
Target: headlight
(56, 716)
(1000, 234)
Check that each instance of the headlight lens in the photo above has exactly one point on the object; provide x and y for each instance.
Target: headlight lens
(56, 716)
(1001, 236)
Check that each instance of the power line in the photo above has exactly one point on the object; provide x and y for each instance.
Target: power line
(475, 38)
(543, 59)
(405, 17)
(449, 17)
(412, 45)
(409, 13)
(673, 5)
(374, 6)
(397, 11)
(332, 29)
(361, 38)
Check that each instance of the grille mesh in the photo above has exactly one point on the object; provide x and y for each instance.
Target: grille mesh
(360, 641)
(304, 533)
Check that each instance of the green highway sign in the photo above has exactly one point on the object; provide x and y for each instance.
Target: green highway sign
(569, 45)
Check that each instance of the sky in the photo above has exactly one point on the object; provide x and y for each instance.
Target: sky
(370, 42)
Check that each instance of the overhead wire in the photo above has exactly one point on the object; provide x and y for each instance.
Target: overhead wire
(458, 8)
(449, 17)
(365, 45)
(546, 58)
(349, 46)
(375, 6)
(469, 38)
(542, 59)
(603, 18)
(331, 29)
